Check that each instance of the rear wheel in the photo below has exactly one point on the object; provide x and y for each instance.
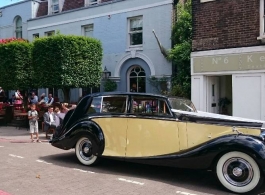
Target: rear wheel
(238, 172)
(83, 151)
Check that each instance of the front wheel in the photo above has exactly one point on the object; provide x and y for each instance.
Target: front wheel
(83, 151)
(238, 172)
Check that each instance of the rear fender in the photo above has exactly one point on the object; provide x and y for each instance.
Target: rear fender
(91, 130)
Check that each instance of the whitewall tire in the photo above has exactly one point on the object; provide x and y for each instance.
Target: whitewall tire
(238, 172)
(83, 151)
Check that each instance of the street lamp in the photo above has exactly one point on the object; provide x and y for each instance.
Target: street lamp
(106, 74)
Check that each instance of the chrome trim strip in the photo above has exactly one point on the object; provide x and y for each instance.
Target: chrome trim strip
(262, 127)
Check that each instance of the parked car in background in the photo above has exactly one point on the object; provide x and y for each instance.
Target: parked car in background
(167, 131)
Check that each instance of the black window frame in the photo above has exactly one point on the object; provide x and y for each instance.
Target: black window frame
(158, 99)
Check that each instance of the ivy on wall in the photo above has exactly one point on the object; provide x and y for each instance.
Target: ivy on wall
(180, 53)
(109, 85)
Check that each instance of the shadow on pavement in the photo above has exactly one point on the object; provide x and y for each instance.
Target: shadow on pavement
(193, 179)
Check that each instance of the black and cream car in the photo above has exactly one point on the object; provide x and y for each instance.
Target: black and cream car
(168, 131)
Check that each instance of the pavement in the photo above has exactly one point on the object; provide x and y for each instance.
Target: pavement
(4, 193)
(38, 168)
(18, 135)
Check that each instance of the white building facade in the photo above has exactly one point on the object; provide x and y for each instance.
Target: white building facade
(125, 28)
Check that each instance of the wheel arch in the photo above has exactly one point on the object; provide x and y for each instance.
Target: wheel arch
(238, 148)
(93, 131)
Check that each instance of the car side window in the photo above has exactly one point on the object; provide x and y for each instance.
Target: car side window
(115, 104)
(95, 106)
(149, 106)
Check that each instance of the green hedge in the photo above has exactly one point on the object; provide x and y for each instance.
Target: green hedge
(15, 65)
(72, 61)
(67, 61)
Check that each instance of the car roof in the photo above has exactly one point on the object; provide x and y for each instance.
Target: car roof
(126, 93)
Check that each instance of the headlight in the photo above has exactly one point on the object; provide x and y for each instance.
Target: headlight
(262, 131)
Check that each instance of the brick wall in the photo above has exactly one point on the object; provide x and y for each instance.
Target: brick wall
(225, 24)
(43, 9)
(70, 4)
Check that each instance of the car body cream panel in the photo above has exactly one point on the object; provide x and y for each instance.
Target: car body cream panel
(149, 137)
(114, 130)
(183, 137)
(201, 133)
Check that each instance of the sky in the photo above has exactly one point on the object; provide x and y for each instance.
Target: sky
(7, 2)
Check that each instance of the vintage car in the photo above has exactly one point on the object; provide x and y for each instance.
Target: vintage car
(167, 131)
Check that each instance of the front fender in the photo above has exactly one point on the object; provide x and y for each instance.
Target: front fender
(211, 151)
(204, 156)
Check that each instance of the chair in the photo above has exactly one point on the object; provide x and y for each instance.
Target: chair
(49, 131)
(3, 117)
(20, 119)
(17, 106)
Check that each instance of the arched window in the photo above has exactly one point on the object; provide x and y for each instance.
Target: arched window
(18, 29)
(137, 79)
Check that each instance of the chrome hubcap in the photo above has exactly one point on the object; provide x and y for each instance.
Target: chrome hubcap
(85, 149)
(238, 172)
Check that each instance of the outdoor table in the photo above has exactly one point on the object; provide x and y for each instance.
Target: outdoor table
(9, 113)
(21, 119)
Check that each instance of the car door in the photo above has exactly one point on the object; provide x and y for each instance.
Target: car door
(152, 129)
(113, 122)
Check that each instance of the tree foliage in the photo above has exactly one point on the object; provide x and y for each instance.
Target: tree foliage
(67, 61)
(15, 64)
(180, 54)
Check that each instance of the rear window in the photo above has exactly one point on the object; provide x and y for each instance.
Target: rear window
(114, 104)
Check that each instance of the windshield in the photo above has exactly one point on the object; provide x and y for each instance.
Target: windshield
(182, 104)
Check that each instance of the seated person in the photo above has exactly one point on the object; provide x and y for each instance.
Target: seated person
(12, 99)
(33, 99)
(64, 110)
(50, 99)
(49, 119)
(43, 99)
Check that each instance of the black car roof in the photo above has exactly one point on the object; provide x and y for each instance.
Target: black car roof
(126, 93)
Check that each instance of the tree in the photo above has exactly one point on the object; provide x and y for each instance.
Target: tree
(180, 53)
(15, 64)
(67, 61)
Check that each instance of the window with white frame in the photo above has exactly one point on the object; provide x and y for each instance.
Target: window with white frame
(262, 21)
(203, 1)
(49, 33)
(35, 36)
(92, 2)
(18, 30)
(88, 30)
(55, 6)
(136, 31)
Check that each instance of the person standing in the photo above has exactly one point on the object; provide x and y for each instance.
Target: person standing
(19, 97)
(2, 95)
(33, 123)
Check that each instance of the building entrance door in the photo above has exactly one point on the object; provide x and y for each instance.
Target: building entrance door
(212, 96)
